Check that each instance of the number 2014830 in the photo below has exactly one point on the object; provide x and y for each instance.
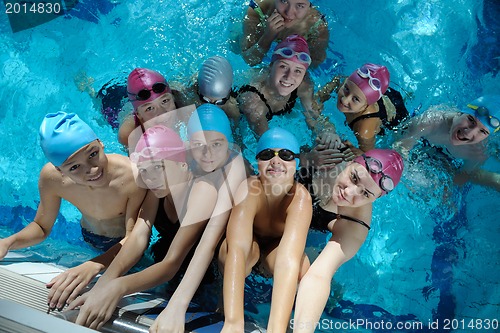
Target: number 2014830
(32, 8)
(470, 324)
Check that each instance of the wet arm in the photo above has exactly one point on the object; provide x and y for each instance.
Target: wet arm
(239, 238)
(288, 260)
(319, 45)
(256, 40)
(314, 288)
(46, 214)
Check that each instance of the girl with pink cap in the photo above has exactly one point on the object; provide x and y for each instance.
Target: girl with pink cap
(367, 102)
(274, 91)
(342, 205)
(188, 207)
(267, 21)
(150, 95)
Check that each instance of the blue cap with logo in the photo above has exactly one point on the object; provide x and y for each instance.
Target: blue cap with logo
(63, 134)
(487, 110)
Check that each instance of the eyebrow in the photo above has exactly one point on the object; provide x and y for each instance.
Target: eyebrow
(366, 189)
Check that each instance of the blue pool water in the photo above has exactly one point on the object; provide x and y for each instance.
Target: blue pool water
(432, 254)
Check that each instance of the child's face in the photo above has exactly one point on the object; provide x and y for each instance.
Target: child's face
(292, 11)
(276, 170)
(160, 175)
(354, 187)
(287, 75)
(210, 149)
(87, 166)
(350, 99)
(466, 129)
(156, 107)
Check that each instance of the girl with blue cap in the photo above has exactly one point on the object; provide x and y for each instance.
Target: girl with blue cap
(101, 186)
(201, 209)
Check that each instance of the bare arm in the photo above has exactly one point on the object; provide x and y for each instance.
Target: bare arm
(239, 238)
(125, 129)
(255, 111)
(319, 44)
(195, 220)
(68, 285)
(288, 259)
(314, 288)
(46, 214)
(257, 38)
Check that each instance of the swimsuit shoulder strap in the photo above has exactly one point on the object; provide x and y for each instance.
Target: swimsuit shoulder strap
(365, 116)
(249, 88)
(286, 109)
(353, 219)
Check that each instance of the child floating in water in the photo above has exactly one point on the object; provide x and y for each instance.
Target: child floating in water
(101, 186)
(461, 133)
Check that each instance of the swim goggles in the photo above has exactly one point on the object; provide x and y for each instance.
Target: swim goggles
(145, 94)
(152, 152)
(484, 112)
(287, 52)
(375, 166)
(218, 102)
(374, 83)
(285, 154)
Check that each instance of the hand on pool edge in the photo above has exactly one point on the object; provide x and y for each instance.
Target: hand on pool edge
(66, 287)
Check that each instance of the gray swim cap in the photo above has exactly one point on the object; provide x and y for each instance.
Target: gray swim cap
(215, 78)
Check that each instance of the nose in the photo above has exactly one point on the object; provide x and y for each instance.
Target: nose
(206, 150)
(289, 11)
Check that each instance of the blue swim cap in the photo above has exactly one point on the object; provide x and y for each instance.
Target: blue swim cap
(278, 138)
(209, 117)
(487, 110)
(62, 134)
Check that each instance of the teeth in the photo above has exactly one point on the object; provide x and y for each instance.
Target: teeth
(96, 177)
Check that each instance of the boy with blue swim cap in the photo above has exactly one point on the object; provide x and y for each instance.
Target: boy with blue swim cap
(268, 230)
(100, 186)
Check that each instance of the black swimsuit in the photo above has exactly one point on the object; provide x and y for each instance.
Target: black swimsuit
(321, 217)
(401, 111)
(269, 115)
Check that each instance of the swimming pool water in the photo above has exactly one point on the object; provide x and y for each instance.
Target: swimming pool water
(432, 253)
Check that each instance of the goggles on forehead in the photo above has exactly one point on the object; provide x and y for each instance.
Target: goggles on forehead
(145, 94)
(484, 112)
(374, 83)
(374, 166)
(285, 154)
(217, 102)
(152, 152)
(287, 52)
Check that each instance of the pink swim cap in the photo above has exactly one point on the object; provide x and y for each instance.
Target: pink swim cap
(384, 165)
(373, 80)
(159, 143)
(145, 79)
(293, 48)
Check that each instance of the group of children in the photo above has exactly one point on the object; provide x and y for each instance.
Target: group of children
(186, 177)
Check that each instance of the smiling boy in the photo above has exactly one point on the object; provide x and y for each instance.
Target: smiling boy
(100, 186)
(462, 133)
(268, 227)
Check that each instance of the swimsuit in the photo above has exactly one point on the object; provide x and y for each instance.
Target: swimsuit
(100, 242)
(167, 230)
(269, 115)
(321, 217)
(113, 97)
(309, 35)
(391, 103)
